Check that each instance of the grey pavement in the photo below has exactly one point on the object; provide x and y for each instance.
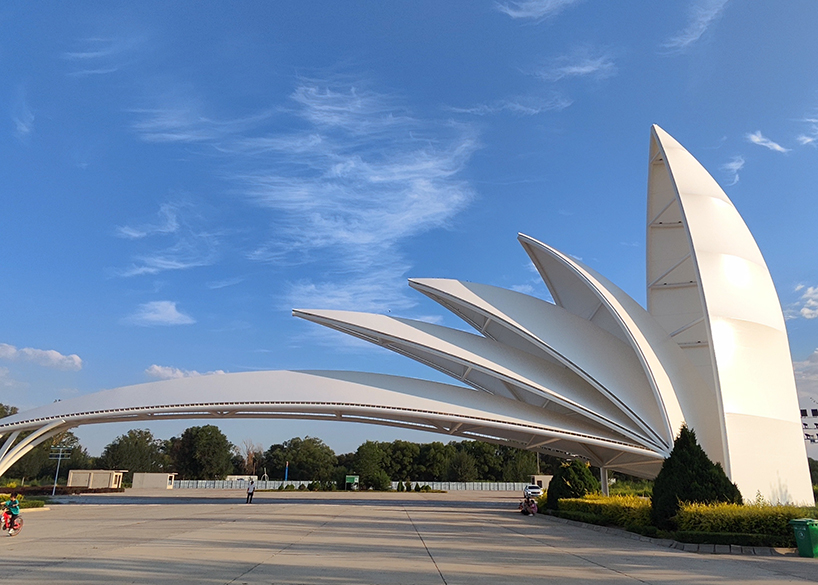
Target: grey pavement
(203, 536)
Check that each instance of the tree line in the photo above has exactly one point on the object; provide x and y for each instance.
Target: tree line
(204, 452)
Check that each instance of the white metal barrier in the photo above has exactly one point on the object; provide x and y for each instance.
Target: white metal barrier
(449, 486)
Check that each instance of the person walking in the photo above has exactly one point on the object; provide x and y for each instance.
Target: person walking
(250, 489)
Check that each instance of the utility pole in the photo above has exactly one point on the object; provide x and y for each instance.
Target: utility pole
(59, 453)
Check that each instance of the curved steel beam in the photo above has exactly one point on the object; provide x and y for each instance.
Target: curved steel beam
(345, 396)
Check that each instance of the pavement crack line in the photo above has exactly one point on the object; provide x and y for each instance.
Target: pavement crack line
(434, 562)
(281, 550)
(564, 551)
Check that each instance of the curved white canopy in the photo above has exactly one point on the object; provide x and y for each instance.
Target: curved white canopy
(342, 396)
(592, 375)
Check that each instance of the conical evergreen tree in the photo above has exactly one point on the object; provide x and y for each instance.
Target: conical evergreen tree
(688, 475)
(571, 480)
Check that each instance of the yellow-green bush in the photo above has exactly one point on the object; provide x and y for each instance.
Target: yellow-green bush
(752, 519)
(624, 511)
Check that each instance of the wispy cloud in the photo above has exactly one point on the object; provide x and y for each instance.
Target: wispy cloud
(167, 224)
(359, 176)
(159, 313)
(761, 140)
(175, 241)
(217, 284)
(182, 119)
(810, 136)
(170, 373)
(101, 56)
(582, 62)
(534, 9)
(48, 358)
(6, 381)
(702, 15)
(732, 168)
(806, 376)
(522, 106)
(22, 116)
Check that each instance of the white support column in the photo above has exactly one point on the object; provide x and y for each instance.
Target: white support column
(603, 480)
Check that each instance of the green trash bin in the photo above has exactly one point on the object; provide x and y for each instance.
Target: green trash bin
(806, 535)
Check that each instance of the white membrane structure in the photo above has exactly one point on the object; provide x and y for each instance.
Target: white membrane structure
(592, 375)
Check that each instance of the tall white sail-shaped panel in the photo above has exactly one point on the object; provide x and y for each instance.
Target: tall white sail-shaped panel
(709, 287)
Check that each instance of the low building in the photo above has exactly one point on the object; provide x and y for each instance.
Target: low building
(541, 480)
(247, 478)
(154, 481)
(95, 478)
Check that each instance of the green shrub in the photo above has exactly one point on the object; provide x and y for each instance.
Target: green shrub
(688, 475)
(739, 538)
(302, 487)
(571, 480)
(760, 519)
(642, 488)
(417, 487)
(629, 512)
(289, 488)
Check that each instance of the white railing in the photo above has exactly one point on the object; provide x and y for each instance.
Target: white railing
(449, 486)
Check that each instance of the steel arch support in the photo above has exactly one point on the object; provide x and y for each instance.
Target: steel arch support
(11, 455)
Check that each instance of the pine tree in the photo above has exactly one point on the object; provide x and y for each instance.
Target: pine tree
(688, 475)
(571, 480)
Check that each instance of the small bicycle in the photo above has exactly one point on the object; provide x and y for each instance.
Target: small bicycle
(18, 524)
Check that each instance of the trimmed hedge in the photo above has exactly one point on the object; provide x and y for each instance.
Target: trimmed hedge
(724, 523)
(739, 538)
(731, 518)
(629, 512)
(24, 503)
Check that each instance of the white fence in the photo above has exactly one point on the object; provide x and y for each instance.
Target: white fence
(449, 486)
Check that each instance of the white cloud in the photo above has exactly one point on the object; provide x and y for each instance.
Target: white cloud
(6, 381)
(523, 288)
(217, 284)
(733, 167)
(522, 105)
(761, 140)
(167, 224)
(48, 358)
(806, 376)
(159, 313)
(181, 118)
(358, 176)
(170, 373)
(190, 244)
(702, 16)
(536, 9)
(101, 56)
(810, 137)
(582, 62)
(807, 305)
(22, 116)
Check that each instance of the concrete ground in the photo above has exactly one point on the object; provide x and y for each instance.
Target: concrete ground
(475, 538)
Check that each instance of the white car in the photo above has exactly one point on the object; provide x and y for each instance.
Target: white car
(532, 491)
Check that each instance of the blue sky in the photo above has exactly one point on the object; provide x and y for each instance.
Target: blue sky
(176, 178)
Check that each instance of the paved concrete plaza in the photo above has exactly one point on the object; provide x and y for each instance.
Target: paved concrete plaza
(198, 536)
